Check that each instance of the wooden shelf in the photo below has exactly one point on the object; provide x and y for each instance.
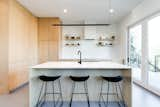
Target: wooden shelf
(75, 38)
(107, 39)
(102, 44)
(72, 44)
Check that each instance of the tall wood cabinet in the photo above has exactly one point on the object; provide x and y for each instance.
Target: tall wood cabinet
(25, 40)
(22, 43)
(18, 44)
(48, 39)
(4, 8)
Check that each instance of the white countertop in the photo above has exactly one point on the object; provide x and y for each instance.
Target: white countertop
(84, 65)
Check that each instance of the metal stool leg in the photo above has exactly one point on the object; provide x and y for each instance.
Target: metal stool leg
(106, 105)
(44, 95)
(40, 94)
(86, 91)
(121, 95)
(45, 92)
(117, 94)
(107, 95)
(53, 94)
(73, 87)
(60, 89)
(100, 96)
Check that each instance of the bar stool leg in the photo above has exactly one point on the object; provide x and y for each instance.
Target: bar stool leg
(53, 95)
(60, 92)
(45, 92)
(39, 103)
(73, 87)
(40, 94)
(100, 96)
(86, 91)
(106, 105)
(121, 95)
(107, 94)
(117, 95)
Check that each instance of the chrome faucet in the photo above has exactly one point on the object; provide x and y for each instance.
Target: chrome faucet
(80, 57)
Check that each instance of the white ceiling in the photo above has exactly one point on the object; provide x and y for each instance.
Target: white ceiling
(80, 10)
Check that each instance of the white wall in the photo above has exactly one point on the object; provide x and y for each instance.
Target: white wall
(142, 11)
(88, 47)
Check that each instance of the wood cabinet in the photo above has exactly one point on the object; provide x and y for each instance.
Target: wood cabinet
(22, 36)
(23, 40)
(18, 44)
(4, 46)
(48, 39)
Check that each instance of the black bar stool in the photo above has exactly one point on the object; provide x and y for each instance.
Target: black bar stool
(115, 82)
(44, 88)
(76, 79)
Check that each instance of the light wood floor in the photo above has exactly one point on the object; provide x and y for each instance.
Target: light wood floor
(141, 98)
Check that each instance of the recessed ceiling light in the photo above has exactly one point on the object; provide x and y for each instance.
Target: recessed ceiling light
(111, 10)
(65, 10)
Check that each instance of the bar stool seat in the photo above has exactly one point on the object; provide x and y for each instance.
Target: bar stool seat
(49, 78)
(113, 79)
(79, 79)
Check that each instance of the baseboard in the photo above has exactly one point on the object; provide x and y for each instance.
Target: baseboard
(19, 87)
(147, 89)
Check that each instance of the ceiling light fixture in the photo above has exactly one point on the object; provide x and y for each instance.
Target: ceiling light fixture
(65, 10)
(111, 10)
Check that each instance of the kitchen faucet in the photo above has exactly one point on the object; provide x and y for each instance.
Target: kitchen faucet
(80, 57)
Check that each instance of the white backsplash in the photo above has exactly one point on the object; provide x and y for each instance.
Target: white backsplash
(89, 48)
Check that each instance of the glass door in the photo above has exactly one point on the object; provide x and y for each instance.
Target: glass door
(154, 52)
(135, 51)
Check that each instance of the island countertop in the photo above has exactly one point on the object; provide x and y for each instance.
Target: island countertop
(84, 65)
(93, 69)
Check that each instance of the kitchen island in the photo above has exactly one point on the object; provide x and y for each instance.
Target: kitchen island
(93, 69)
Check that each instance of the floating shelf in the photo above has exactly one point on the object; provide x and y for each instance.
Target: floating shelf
(72, 44)
(72, 38)
(107, 39)
(102, 43)
(80, 24)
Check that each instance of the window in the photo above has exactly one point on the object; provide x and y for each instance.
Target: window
(154, 52)
(135, 39)
(144, 53)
